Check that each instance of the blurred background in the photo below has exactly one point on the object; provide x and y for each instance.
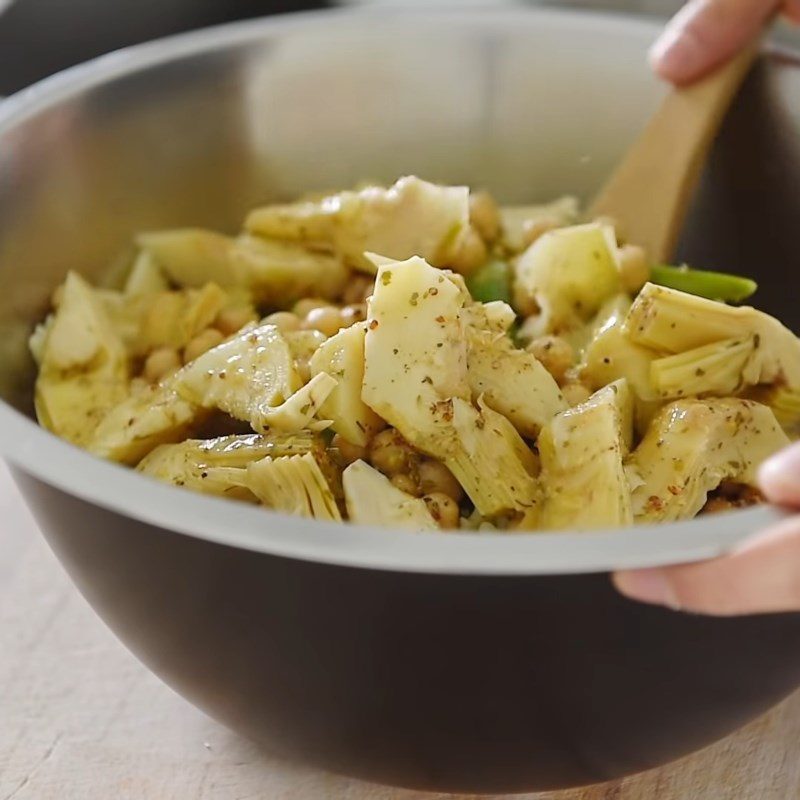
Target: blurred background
(39, 37)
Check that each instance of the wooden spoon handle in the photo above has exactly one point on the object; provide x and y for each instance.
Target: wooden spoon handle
(649, 192)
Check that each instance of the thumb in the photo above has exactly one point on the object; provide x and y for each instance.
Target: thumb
(705, 33)
(762, 576)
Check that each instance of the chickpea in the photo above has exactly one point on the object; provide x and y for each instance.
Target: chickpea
(201, 343)
(352, 314)
(534, 229)
(405, 483)
(161, 362)
(555, 354)
(633, 267)
(358, 290)
(716, 505)
(443, 509)
(284, 321)
(484, 215)
(434, 477)
(390, 453)
(348, 451)
(471, 253)
(232, 320)
(303, 368)
(575, 393)
(327, 320)
(307, 304)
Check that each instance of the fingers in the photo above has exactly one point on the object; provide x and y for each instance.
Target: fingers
(792, 11)
(780, 477)
(705, 33)
(762, 576)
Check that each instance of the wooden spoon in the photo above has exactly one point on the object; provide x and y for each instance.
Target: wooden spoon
(649, 192)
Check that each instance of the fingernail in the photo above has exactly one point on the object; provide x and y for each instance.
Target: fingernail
(677, 55)
(780, 475)
(647, 586)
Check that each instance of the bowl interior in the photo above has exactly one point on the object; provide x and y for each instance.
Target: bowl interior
(197, 129)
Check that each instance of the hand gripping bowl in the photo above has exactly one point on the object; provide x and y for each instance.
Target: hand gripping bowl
(443, 662)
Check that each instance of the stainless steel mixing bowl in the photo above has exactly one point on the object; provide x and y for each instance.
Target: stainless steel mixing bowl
(448, 662)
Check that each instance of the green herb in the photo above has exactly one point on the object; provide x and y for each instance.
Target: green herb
(712, 285)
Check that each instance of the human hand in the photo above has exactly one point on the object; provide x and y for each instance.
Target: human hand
(760, 576)
(705, 33)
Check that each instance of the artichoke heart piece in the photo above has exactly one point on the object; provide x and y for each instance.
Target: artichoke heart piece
(715, 369)
(82, 336)
(153, 416)
(146, 277)
(173, 319)
(568, 274)
(512, 382)
(610, 355)
(83, 364)
(415, 352)
(673, 322)
(246, 376)
(372, 499)
(342, 356)
(217, 466)
(492, 462)
(582, 453)
(294, 485)
(416, 379)
(694, 445)
(274, 271)
(412, 217)
(299, 410)
(785, 404)
(514, 219)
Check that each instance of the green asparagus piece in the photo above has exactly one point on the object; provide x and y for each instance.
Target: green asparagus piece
(711, 285)
(491, 282)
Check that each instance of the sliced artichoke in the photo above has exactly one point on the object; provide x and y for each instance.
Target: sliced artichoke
(298, 411)
(83, 364)
(294, 485)
(785, 404)
(246, 376)
(411, 218)
(492, 462)
(372, 499)
(416, 379)
(276, 272)
(512, 382)
(694, 445)
(715, 369)
(674, 322)
(415, 352)
(568, 274)
(192, 257)
(342, 356)
(582, 453)
(151, 417)
(146, 277)
(560, 212)
(173, 319)
(217, 466)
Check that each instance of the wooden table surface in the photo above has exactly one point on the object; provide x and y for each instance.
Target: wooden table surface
(81, 719)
